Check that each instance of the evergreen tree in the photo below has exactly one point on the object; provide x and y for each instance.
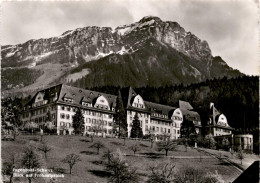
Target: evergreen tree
(78, 121)
(187, 128)
(136, 131)
(120, 116)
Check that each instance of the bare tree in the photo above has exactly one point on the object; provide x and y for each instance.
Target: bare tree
(107, 155)
(152, 140)
(8, 168)
(162, 173)
(166, 145)
(98, 145)
(135, 148)
(45, 149)
(30, 160)
(71, 160)
(120, 170)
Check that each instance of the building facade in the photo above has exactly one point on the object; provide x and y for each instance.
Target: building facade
(217, 124)
(62, 101)
(156, 119)
(98, 109)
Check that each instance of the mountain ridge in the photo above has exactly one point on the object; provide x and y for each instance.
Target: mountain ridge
(76, 48)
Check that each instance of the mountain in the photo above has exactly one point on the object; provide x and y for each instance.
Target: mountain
(148, 52)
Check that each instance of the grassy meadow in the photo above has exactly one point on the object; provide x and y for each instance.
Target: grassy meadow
(91, 167)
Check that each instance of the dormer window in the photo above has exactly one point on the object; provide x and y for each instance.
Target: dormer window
(91, 93)
(80, 91)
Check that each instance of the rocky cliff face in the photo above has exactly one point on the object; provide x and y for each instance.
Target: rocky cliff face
(78, 47)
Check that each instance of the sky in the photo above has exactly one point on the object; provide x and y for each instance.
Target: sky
(229, 26)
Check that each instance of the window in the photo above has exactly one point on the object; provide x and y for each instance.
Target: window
(73, 109)
(178, 131)
(169, 130)
(62, 116)
(53, 116)
(68, 108)
(131, 118)
(67, 116)
(62, 107)
(146, 127)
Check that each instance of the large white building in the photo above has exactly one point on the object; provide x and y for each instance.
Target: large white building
(218, 123)
(62, 101)
(157, 119)
(98, 110)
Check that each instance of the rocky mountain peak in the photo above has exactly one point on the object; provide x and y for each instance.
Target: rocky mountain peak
(149, 41)
(150, 18)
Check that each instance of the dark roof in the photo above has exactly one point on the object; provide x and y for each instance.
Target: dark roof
(190, 114)
(159, 108)
(78, 93)
(48, 92)
(127, 94)
(214, 111)
(185, 105)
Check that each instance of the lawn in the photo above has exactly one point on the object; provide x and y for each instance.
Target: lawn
(91, 167)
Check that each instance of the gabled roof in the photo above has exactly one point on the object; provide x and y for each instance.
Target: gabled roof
(127, 94)
(48, 93)
(77, 95)
(159, 108)
(190, 114)
(185, 105)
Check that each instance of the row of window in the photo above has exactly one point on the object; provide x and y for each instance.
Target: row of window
(101, 106)
(157, 129)
(39, 111)
(68, 100)
(159, 115)
(87, 112)
(138, 105)
(99, 122)
(93, 129)
(39, 103)
(222, 124)
(222, 130)
(43, 118)
(68, 108)
(64, 124)
(160, 122)
(177, 118)
(139, 114)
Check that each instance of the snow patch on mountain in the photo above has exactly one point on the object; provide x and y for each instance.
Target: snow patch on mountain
(10, 54)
